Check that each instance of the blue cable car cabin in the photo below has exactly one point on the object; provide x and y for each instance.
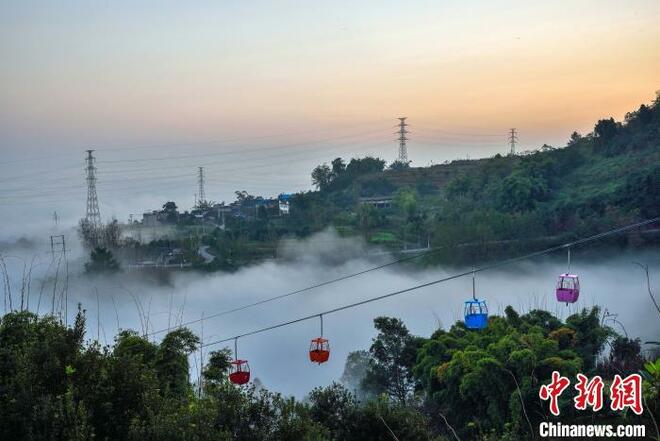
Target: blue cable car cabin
(476, 314)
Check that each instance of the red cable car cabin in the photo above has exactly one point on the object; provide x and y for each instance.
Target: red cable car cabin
(239, 372)
(319, 350)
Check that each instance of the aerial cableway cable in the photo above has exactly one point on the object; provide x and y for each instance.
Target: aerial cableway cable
(308, 288)
(495, 265)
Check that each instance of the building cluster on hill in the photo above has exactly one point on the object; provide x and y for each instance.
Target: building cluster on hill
(246, 207)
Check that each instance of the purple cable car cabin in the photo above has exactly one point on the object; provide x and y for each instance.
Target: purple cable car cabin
(568, 288)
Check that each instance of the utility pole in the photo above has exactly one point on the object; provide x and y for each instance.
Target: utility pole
(57, 246)
(57, 242)
(403, 150)
(513, 138)
(201, 358)
(200, 181)
(93, 216)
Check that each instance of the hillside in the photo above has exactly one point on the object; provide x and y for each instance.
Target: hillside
(466, 210)
(597, 181)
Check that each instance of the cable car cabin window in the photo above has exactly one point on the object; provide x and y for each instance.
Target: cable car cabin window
(475, 308)
(476, 314)
(319, 350)
(568, 283)
(239, 372)
(319, 346)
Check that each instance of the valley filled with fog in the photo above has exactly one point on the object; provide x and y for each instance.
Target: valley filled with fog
(279, 359)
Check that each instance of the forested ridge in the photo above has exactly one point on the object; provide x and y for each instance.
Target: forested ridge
(55, 384)
(470, 210)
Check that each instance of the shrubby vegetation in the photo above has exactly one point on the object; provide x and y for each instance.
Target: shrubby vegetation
(101, 260)
(466, 210)
(55, 385)
(479, 209)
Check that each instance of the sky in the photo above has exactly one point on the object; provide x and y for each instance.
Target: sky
(260, 92)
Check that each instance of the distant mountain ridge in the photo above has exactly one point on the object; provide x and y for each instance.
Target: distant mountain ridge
(606, 178)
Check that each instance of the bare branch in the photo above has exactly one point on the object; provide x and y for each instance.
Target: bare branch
(648, 284)
(448, 425)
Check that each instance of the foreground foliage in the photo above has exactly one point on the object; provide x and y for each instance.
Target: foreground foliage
(483, 385)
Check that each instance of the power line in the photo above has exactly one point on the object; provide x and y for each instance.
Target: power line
(182, 144)
(463, 146)
(201, 155)
(179, 165)
(435, 129)
(263, 162)
(445, 279)
(309, 288)
(193, 156)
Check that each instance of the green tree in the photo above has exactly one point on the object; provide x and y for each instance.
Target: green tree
(170, 211)
(169, 207)
(606, 129)
(171, 363)
(487, 381)
(338, 167)
(521, 193)
(335, 408)
(368, 218)
(399, 165)
(364, 166)
(217, 367)
(321, 176)
(393, 352)
(101, 261)
(406, 202)
(575, 138)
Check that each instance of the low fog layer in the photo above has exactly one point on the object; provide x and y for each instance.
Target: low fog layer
(279, 358)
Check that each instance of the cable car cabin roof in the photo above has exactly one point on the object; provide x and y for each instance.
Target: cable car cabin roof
(475, 302)
(320, 340)
(569, 276)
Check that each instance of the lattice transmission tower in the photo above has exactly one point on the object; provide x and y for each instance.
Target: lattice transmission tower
(513, 139)
(200, 182)
(93, 215)
(403, 150)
